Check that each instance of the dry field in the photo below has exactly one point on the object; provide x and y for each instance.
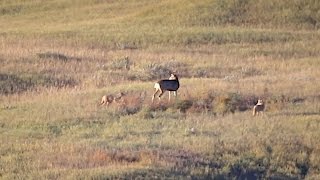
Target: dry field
(55, 69)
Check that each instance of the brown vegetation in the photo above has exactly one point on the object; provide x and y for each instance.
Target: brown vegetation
(58, 57)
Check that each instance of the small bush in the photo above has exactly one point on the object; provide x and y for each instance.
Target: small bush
(248, 167)
(126, 110)
(249, 72)
(52, 55)
(159, 71)
(100, 157)
(183, 105)
(277, 102)
(10, 84)
(209, 72)
(126, 45)
(226, 103)
(231, 12)
(11, 10)
(201, 105)
(231, 102)
(146, 113)
(121, 64)
(159, 107)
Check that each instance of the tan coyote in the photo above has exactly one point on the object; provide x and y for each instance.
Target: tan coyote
(108, 99)
(258, 108)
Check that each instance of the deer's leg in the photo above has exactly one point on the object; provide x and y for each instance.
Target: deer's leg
(161, 93)
(103, 101)
(154, 94)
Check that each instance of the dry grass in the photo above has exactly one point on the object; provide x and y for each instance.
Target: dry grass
(207, 132)
(52, 78)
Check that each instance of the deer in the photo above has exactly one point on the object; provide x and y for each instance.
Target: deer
(258, 108)
(171, 84)
(108, 99)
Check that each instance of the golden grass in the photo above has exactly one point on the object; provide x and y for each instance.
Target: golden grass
(50, 131)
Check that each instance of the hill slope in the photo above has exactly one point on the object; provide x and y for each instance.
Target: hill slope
(157, 22)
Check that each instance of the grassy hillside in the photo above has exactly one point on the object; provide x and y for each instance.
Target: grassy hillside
(141, 23)
(59, 57)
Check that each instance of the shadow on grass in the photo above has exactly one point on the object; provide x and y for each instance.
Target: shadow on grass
(56, 56)
(297, 114)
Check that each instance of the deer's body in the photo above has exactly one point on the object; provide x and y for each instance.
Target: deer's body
(172, 85)
(108, 99)
(258, 108)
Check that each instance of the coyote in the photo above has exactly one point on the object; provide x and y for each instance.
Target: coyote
(171, 84)
(258, 108)
(108, 99)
